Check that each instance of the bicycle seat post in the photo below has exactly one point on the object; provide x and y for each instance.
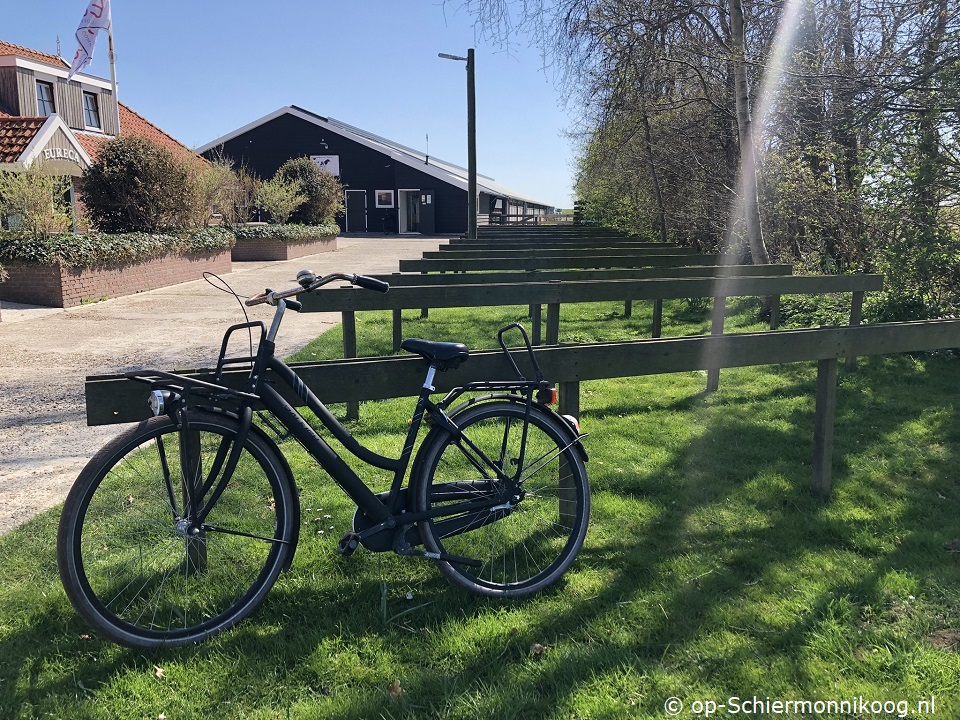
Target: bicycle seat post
(428, 382)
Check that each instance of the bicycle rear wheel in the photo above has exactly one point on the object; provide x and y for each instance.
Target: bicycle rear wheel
(128, 561)
(536, 527)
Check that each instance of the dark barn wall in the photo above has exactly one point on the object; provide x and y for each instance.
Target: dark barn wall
(450, 202)
(266, 147)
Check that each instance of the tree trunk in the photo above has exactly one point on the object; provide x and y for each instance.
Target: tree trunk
(655, 179)
(748, 158)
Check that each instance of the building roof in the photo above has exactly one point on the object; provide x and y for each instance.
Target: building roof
(16, 133)
(440, 169)
(7, 49)
(131, 122)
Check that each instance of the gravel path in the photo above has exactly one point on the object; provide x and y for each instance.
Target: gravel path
(47, 353)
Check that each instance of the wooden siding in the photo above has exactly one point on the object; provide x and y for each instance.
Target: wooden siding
(9, 90)
(265, 148)
(108, 110)
(69, 103)
(27, 90)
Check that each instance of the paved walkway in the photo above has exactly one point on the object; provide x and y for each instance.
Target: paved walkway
(47, 353)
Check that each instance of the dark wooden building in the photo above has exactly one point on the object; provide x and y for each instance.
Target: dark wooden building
(389, 188)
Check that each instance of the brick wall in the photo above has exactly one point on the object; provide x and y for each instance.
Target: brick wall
(270, 249)
(62, 287)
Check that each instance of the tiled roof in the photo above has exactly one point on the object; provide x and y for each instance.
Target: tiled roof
(132, 123)
(7, 49)
(16, 134)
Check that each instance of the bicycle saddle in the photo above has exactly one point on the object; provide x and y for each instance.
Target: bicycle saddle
(445, 355)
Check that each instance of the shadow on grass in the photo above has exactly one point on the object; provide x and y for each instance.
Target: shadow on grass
(709, 571)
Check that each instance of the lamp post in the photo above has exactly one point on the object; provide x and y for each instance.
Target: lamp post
(471, 143)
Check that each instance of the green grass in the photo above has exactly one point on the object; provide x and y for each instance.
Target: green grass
(709, 571)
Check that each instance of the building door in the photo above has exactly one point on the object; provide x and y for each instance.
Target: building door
(409, 205)
(427, 212)
(356, 210)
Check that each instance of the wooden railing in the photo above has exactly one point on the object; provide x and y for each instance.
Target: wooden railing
(583, 261)
(114, 399)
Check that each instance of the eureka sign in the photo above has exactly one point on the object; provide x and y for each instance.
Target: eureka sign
(62, 154)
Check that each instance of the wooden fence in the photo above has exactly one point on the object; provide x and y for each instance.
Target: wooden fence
(582, 261)
(114, 399)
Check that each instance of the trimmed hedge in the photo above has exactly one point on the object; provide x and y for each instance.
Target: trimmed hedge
(102, 249)
(286, 233)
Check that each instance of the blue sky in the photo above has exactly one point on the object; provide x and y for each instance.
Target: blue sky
(202, 69)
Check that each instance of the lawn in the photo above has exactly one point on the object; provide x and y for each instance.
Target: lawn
(710, 571)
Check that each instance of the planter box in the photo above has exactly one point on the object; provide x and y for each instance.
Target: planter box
(56, 286)
(248, 249)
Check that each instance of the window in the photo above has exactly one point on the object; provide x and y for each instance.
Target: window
(45, 104)
(91, 111)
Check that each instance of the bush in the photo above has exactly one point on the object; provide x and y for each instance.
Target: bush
(324, 192)
(287, 233)
(137, 185)
(100, 249)
(36, 200)
(226, 192)
(280, 198)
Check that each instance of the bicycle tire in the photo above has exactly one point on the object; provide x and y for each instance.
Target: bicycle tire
(530, 547)
(126, 560)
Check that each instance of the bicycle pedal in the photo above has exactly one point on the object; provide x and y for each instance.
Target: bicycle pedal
(348, 543)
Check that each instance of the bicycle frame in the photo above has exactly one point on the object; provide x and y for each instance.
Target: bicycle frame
(385, 512)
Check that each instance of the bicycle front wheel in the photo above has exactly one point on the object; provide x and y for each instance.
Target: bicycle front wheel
(535, 521)
(128, 560)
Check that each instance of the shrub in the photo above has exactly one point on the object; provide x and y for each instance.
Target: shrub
(231, 194)
(286, 233)
(137, 185)
(324, 192)
(280, 198)
(36, 200)
(102, 249)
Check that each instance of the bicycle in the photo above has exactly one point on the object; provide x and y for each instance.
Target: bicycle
(177, 529)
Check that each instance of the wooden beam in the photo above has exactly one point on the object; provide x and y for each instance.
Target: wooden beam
(114, 399)
(529, 293)
(555, 263)
(506, 277)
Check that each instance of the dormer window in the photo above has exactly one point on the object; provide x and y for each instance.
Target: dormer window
(45, 105)
(91, 111)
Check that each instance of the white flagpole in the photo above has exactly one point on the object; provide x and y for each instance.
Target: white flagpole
(113, 68)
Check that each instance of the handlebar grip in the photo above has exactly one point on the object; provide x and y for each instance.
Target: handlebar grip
(371, 283)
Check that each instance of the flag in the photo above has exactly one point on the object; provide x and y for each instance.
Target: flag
(96, 18)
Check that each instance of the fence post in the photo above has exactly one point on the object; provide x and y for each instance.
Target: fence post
(856, 316)
(553, 324)
(424, 312)
(536, 313)
(350, 351)
(628, 308)
(716, 328)
(823, 426)
(774, 312)
(397, 329)
(569, 400)
(657, 318)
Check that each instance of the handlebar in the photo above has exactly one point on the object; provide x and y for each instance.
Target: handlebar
(308, 282)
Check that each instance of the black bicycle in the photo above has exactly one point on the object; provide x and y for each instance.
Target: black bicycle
(178, 528)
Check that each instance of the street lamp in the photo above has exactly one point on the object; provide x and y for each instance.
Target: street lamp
(471, 143)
